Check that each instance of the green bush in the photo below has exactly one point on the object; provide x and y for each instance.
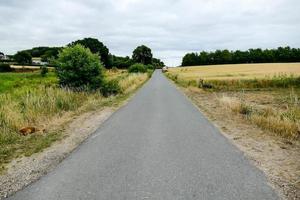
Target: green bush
(78, 67)
(137, 68)
(109, 88)
(44, 70)
(151, 67)
(5, 67)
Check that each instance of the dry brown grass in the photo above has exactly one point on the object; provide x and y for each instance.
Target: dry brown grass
(284, 122)
(236, 71)
(133, 81)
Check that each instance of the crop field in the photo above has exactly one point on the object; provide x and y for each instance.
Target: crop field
(237, 71)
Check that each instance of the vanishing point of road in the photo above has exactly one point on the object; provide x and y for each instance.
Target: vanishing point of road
(159, 146)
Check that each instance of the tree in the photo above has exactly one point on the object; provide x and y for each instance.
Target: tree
(121, 62)
(190, 59)
(51, 53)
(142, 54)
(157, 63)
(281, 54)
(95, 47)
(23, 57)
(78, 67)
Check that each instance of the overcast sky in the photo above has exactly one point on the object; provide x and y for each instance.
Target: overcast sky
(170, 28)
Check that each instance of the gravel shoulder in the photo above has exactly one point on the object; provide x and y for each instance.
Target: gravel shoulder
(25, 170)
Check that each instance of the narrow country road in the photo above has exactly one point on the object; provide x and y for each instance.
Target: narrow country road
(158, 146)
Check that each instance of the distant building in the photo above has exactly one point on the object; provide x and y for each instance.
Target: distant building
(3, 56)
(38, 61)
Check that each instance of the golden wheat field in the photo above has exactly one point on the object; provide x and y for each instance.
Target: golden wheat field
(237, 71)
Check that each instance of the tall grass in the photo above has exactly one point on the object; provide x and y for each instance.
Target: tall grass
(38, 105)
(278, 81)
(132, 81)
(285, 123)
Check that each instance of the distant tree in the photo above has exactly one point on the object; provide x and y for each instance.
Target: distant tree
(157, 63)
(281, 54)
(240, 57)
(190, 59)
(95, 47)
(142, 54)
(51, 53)
(23, 57)
(121, 62)
(78, 67)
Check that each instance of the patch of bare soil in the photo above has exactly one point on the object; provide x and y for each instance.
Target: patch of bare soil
(25, 170)
(277, 157)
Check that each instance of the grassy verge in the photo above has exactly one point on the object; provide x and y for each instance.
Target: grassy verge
(27, 99)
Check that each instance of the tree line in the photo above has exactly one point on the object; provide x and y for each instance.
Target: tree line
(142, 54)
(281, 54)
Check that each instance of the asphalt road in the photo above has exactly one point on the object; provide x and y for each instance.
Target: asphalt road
(159, 146)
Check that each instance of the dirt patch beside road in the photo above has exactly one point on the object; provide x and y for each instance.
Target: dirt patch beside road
(25, 170)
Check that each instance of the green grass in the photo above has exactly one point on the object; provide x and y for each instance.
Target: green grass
(14, 81)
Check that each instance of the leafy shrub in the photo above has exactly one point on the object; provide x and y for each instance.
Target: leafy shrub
(44, 70)
(77, 67)
(109, 88)
(151, 67)
(137, 68)
(5, 67)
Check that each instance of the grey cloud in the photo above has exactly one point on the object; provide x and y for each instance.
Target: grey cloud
(171, 28)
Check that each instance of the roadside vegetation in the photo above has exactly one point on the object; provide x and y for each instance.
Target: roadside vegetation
(246, 95)
(35, 105)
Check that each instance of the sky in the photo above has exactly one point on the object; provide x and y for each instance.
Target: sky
(171, 28)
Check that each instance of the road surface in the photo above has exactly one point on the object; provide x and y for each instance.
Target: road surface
(158, 146)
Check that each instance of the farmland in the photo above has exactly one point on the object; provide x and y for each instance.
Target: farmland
(28, 99)
(238, 71)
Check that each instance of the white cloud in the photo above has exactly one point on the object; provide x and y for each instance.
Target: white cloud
(170, 27)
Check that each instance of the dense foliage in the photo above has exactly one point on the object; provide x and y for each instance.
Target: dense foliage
(51, 53)
(121, 62)
(78, 67)
(110, 87)
(5, 67)
(137, 68)
(41, 51)
(142, 54)
(157, 63)
(23, 57)
(281, 54)
(96, 47)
